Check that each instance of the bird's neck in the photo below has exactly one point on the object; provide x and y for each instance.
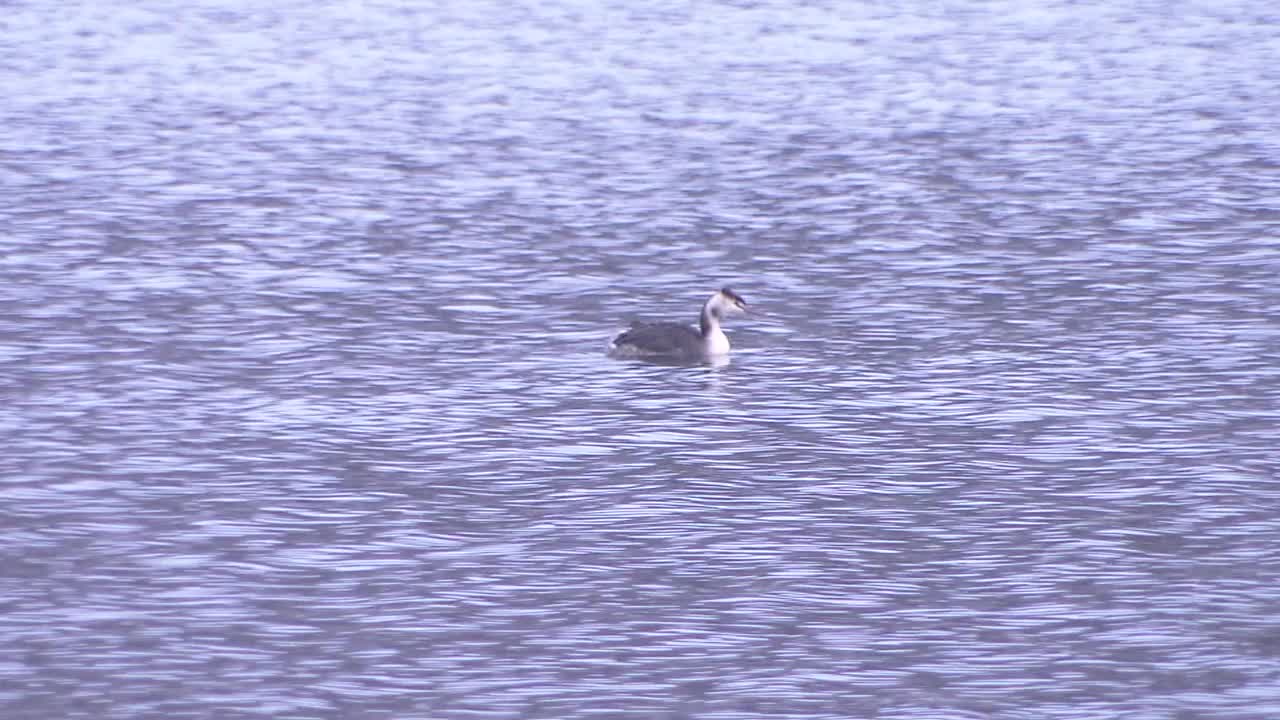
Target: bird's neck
(714, 339)
(709, 323)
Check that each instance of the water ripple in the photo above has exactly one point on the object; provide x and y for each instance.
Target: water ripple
(308, 411)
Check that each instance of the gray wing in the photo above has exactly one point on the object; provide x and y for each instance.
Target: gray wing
(661, 338)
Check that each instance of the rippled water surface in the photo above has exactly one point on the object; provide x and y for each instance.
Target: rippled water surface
(307, 412)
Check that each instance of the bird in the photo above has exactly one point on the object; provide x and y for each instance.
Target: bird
(673, 341)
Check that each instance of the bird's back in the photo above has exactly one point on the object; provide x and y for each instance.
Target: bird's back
(660, 338)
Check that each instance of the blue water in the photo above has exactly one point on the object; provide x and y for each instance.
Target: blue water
(307, 411)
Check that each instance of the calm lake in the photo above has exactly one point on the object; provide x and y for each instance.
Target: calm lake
(307, 413)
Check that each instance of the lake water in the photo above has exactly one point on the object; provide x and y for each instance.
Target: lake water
(307, 412)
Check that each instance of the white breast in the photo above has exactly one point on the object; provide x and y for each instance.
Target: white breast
(717, 343)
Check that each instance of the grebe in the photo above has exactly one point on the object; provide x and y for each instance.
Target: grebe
(673, 341)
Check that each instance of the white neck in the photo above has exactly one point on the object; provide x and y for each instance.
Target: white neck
(717, 342)
(713, 338)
